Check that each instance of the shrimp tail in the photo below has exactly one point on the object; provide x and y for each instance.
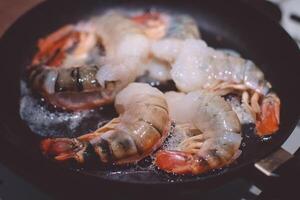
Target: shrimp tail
(180, 162)
(63, 149)
(268, 119)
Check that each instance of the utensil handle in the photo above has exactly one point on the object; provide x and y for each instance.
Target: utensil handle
(275, 175)
(280, 185)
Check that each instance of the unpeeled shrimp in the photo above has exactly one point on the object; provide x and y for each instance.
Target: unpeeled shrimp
(64, 69)
(83, 66)
(142, 126)
(215, 144)
(72, 88)
(69, 46)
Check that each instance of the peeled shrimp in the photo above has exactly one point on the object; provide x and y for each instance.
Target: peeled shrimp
(214, 145)
(121, 36)
(158, 25)
(197, 66)
(142, 126)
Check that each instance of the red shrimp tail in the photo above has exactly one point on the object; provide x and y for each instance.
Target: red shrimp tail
(268, 120)
(61, 149)
(180, 162)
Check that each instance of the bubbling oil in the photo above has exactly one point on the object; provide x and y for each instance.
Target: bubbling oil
(48, 122)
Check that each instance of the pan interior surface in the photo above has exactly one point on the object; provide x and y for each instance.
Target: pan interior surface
(222, 25)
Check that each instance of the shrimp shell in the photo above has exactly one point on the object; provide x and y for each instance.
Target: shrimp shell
(73, 88)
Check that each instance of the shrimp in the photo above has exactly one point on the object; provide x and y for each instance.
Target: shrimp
(73, 88)
(216, 142)
(197, 66)
(158, 25)
(142, 126)
(127, 47)
(70, 44)
(85, 65)
(64, 69)
(121, 37)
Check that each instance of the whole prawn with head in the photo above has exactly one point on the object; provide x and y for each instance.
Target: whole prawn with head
(85, 65)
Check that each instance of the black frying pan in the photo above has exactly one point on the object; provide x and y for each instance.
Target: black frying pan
(227, 24)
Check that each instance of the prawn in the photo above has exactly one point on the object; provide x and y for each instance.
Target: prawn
(73, 88)
(160, 25)
(85, 65)
(197, 66)
(142, 126)
(127, 47)
(212, 136)
(64, 69)
(70, 44)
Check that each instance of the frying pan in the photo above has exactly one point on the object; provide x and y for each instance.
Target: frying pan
(223, 24)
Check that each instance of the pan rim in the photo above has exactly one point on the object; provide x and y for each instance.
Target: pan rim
(232, 169)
